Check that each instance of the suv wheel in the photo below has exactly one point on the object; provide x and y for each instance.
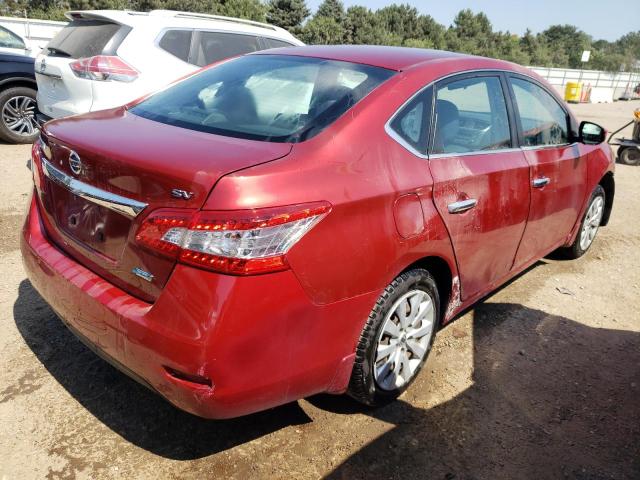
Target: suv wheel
(17, 115)
(396, 339)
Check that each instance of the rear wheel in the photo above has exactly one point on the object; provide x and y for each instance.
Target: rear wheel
(396, 339)
(629, 156)
(17, 115)
(589, 226)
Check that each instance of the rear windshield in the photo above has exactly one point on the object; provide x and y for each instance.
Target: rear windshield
(274, 98)
(82, 38)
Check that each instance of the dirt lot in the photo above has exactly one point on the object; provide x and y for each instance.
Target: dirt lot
(537, 382)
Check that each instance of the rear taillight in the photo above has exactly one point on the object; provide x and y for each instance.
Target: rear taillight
(104, 68)
(238, 242)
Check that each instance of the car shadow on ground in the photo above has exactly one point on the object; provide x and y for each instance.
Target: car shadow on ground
(551, 398)
(129, 409)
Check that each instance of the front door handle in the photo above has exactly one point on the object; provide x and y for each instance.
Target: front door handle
(462, 205)
(540, 182)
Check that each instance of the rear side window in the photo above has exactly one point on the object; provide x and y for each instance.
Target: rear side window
(8, 39)
(273, 43)
(470, 116)
(275, 98)
(410, 124)
(177, 43)
(542, 119)
(82, 38)
(211, 47)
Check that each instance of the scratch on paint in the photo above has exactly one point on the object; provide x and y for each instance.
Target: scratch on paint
(454, 302)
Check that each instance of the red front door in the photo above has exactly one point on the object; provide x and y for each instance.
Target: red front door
(558, 169)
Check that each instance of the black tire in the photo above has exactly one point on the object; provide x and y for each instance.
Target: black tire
(576, 250)
(7, 96)
(362, 385)
(629, 156)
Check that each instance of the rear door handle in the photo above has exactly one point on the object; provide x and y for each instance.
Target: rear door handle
(462, 205)
(540, 182)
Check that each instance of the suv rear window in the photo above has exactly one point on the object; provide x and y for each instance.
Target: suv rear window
(82, 38)
(211, 47)
(177, 42)
(276, 98)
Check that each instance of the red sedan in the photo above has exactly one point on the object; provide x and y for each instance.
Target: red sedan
(303, 220)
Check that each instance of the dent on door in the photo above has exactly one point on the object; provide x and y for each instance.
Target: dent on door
(484, 202)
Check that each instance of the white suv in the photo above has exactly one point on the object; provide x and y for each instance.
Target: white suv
(106, 58)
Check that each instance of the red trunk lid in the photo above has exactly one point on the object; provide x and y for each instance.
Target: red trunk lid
(142, 162)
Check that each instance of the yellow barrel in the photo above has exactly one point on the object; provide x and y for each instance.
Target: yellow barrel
(572, 92)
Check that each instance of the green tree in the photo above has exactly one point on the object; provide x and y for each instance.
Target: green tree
(249, 9)
(288, 14)
(431, 31)
(566, 43)
(401, 21)
(536, 49)
(471, 33)
(332, 9)
(322, 31)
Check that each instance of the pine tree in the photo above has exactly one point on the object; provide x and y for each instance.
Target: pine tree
(288, 14)
(332, 9)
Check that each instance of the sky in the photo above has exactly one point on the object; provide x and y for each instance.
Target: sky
(608, 20)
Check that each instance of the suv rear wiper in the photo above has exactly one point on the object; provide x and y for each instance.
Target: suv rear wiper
(58, 52)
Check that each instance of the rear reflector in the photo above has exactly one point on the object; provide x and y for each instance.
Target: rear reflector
(237, 242)
(104, 68)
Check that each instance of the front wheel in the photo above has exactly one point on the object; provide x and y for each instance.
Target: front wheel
(589, 226)
(396, 339)
(629, 156)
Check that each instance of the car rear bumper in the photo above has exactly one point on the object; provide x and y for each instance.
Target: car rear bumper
(258, 340)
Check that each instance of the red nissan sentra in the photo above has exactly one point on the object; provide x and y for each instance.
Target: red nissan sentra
(303, 220)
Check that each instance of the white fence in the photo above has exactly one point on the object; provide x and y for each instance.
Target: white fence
(605, 86)
(36, 32)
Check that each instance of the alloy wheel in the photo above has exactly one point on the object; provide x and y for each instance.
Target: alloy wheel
(591, 222)
(404, 340)
(18, 114)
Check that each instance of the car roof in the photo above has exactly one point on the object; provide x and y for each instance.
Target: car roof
(392, 58)
(171, 18)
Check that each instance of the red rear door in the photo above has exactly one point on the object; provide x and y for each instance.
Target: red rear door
(481, 182)
(558, 169)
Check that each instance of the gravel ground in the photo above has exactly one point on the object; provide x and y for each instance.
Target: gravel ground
(540, 380)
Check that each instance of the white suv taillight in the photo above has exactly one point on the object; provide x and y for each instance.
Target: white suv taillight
(242, 242)
(104, 68)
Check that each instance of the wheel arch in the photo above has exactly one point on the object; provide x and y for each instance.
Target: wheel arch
(607, 182)
(442, 273)
(18, 82)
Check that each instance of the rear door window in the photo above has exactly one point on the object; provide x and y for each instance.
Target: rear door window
(82, 38)
(543, 121)
(211, 47)
(273, 43)
(471, 116)
(177, 43)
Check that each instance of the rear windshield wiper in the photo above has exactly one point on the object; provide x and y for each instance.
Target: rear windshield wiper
(58, 52)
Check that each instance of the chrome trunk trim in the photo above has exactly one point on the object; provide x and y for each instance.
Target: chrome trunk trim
(123, 205)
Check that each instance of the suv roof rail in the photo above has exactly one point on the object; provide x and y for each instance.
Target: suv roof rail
(206, 16)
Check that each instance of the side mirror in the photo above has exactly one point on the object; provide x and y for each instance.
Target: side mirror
(591, 133)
